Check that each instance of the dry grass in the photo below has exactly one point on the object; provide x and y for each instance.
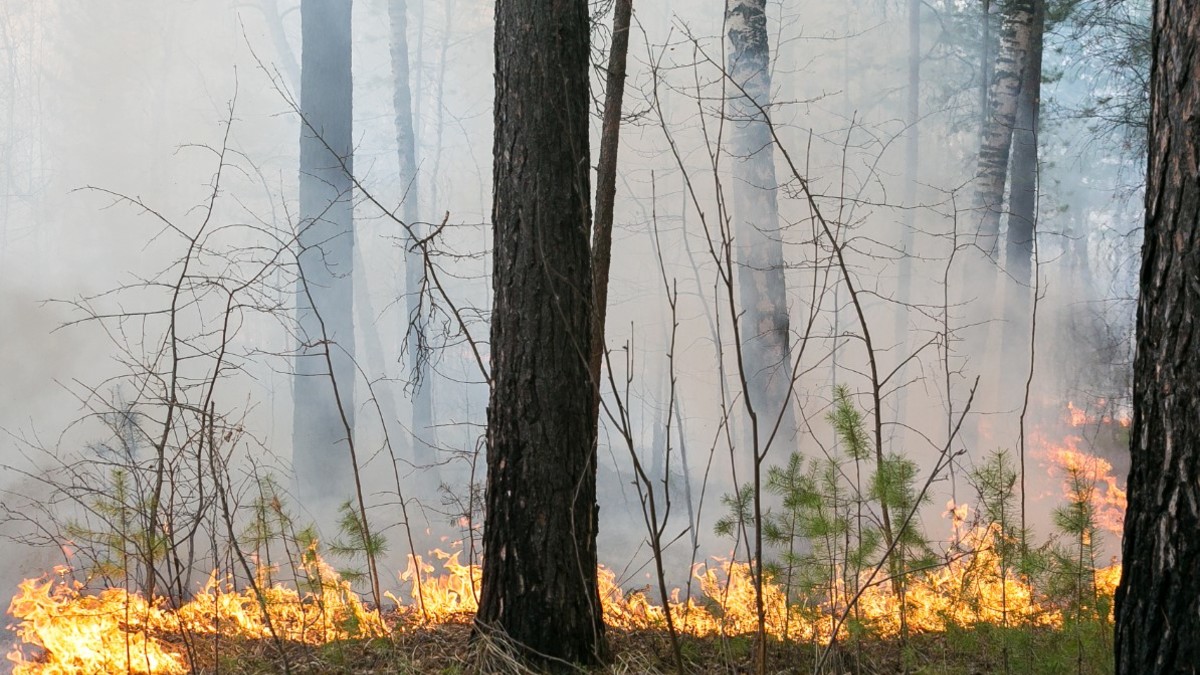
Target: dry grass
(450, 649)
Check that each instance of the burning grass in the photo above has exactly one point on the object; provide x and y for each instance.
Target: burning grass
(329, 629)
(980, 608)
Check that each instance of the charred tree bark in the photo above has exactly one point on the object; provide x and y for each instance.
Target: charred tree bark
(320, 449)
(765, 331)
(415, 348)
(1158, 601)
(995, 140)
(539, 561)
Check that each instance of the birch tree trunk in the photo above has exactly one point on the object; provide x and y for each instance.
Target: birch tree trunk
(765, 350)
(996, 137)
(765, 332)
(1158, 600)
(1023, 197)
(325, 297)
(1023, 194)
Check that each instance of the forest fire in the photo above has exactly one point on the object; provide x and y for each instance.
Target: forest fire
(1079, 417)
(77, 633)
(1084, 475)
(115, 631)
(65, 630)
(65, 627)
(1093, 478)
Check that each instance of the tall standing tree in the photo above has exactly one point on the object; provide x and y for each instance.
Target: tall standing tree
(764, 355)
(323, 385)
(539, 560)
(765, 332)
(606, 182)
(414, 262)
(995, 141)
(912, 178)
(1158, 600)
(1018, 256)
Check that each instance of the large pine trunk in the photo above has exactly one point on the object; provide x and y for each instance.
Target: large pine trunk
(324, 297)
(765, 333)
(1158, 601)
(539, 562)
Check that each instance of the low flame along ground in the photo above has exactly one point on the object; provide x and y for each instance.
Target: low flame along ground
(66, 630)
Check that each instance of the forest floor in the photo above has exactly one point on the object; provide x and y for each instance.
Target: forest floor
(447, 649)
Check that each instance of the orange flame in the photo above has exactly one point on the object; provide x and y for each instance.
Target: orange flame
(1077, 417)
(1108, 498)
(107, 633)
(119, 632)
(446, 597)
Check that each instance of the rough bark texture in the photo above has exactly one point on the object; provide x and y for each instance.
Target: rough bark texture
(321, 452)
(995, 140)
(539, 563)
(765, 330)
(1158, 601)
(422, 427)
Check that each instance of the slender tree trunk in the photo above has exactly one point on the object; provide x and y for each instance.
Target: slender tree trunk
(539, 561)
(980, 275)
(985, 65)
(765, 350)
(912, 151)
(996, 139)
(414, 262)
(1023, 197)
(1158, 601)
(1023, 193)
(439, 129)
(320, 448)
(765, 325)
(606, 183)
(283, 49)
(912, 178)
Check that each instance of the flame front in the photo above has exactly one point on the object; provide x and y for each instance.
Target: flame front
(1086, 473)
(67, 631)
(117, 632)
(106, 633)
